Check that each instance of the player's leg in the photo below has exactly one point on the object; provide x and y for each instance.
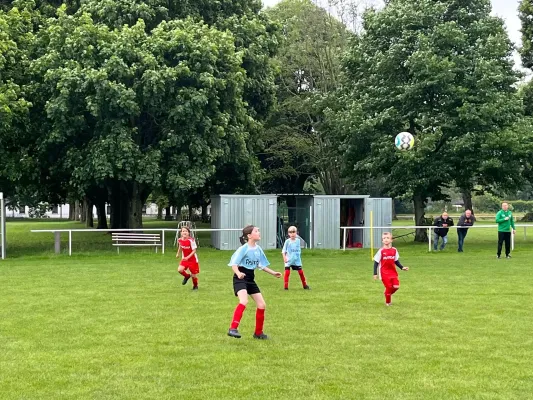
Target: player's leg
(388, 289)
(242, 294)
(259, 315)
(286, 278)
(195, 270)
(395, 282)
(302, 276)
(183, 271)
(500, 243)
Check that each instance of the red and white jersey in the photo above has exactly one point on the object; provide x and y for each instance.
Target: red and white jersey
(387, 261)
(187, 246)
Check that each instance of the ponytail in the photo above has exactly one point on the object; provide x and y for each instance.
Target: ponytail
(245, 232)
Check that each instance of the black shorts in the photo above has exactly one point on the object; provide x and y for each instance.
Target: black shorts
(248, 283)
(294, 267)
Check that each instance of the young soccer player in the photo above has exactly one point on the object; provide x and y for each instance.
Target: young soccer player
(386, 260)
(292, 256)
(189, 260)
(244, 262)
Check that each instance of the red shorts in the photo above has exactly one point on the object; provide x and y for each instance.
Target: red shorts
(390, 280)
(191, 265)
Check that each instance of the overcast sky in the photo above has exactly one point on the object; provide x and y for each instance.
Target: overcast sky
(507, 9)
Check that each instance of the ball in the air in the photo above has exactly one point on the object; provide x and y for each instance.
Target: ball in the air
(404, 141)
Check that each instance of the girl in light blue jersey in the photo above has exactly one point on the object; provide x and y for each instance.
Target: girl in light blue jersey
(244, 262)
(292, 257)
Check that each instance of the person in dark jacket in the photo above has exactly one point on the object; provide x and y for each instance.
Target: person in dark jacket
(442, 223)
(465, 221)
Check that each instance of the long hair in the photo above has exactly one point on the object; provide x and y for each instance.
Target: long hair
(245, 232)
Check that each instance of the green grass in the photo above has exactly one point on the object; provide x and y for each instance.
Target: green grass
(104, 326)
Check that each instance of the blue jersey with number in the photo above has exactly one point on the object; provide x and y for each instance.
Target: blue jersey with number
(249, 257)
(294, 252)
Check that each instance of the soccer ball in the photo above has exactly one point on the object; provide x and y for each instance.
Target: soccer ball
(404, 141)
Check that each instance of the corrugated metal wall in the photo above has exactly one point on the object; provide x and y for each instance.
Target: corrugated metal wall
(382, 216)
(234, 211)
(326, 222)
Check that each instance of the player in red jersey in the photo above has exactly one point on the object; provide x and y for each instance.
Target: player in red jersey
(386, 260)
(189, 260)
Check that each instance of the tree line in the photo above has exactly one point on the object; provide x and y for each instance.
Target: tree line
(120, 102)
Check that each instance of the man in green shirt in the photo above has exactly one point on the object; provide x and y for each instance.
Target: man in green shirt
(505, 221)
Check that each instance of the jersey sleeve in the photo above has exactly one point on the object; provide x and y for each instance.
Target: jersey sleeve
(237, 257)
(377, 257)
(285, 247)
(397, 255)
(193, 244)
(263, 261)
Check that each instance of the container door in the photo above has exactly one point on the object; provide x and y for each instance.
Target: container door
(326, 222)
(379, 211)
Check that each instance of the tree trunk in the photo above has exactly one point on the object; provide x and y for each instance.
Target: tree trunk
(72, 211)
(394, 216)
(88, 206)
(77, 213)
(204, 212)
(168, 214)
(83, 210)
(159, 213)
(191, 213)
(420, 209)
(101, 212)
(127, 200)
(467, 199)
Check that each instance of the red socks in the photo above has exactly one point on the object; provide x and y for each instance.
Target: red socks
(259, 320)
(389, 291)
(287, 275)
(185, 274)
(237, 315)
(195, 282)
(286, 278)
(302, 277)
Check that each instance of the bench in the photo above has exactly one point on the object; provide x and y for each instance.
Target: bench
(136, 239)
(404, 236)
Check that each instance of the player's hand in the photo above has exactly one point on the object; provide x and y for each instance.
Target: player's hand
(375, 277)
(506, 218)
(277, 274)
(445, 225)
(177, 255)
(240, 275)
(405, 268)
(514, 231)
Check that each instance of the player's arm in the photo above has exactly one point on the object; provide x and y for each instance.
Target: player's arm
(272, 272)
(284, 250)
(190, 255)
(512, 222)
(376, 264)
(399, 265)
(178, 253)
(236, 271)
(499, 217)
(461, 221)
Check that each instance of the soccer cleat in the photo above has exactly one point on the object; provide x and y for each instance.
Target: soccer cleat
(306, 287)
(286, 288)
(185, 280)
(234, 333)
(508, 256)
(498, 257)
(195, 288)
(388, 304)
(261, 336)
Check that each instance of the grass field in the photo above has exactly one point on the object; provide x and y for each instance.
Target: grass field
(103, 326)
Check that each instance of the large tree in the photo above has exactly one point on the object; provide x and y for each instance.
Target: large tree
(132, 96)
(297, 143)
(441, 70)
